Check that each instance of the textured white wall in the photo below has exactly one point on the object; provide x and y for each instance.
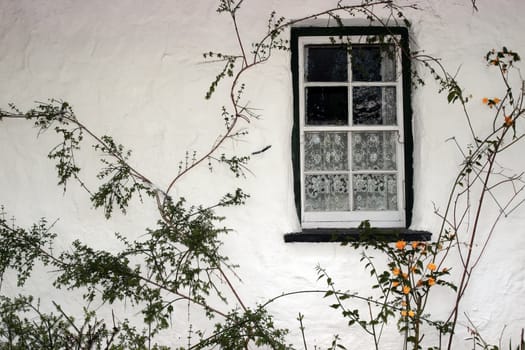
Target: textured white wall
(134, 69)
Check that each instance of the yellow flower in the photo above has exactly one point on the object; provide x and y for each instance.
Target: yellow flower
(411, 313)
(401, 245)
(406, 289)
(404, 313)
(431, 281)
(432, 267)
(396, 271)
(395, 284)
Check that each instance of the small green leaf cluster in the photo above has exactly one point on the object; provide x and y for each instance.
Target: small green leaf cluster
(237, 198)
(236, 164)
(24, 326)
(21, 248)
(230, 6)
(227, 70)
(242, 328)
(58, 116)
(121, 183)
(273, 39)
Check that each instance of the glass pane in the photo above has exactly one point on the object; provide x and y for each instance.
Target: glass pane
(374, 105)
(326, 63)
(326, 192)
(327, 105)
(374, 192)
(374, 150)
(373, 63)
(326, 151)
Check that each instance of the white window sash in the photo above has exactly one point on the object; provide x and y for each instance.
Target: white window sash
(347, 219)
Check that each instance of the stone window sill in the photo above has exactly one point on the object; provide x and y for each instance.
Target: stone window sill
(319, 235)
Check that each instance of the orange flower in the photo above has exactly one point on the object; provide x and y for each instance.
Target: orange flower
(508, 120)
(406, 289)
(415, 244)
(395, 284)
(431, 281)
(401, 245)
(491, 102)
(419, 283)
(396, 271)
(432, 267)
(403, 303)
(405, 275)
(411, 313)
(404, 313)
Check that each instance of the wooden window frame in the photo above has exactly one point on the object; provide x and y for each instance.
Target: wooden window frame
(322, 232)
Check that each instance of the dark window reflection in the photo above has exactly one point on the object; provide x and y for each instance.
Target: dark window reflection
(326, 63)
(327, 105)
(373, 63)
(374, 105)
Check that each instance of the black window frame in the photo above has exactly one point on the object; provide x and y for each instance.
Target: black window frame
(348, 234)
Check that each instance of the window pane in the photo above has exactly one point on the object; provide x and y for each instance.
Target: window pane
(327, 105)
(373, 63)
(374, 192)
(374, 105)
(374, 150)
(326, 192)
(326, 151)
(326, 63)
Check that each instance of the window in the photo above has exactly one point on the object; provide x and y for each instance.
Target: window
(352, 140)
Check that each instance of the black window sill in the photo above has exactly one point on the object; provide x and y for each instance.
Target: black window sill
(355, 234)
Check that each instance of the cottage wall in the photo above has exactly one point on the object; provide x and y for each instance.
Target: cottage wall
(134, 69)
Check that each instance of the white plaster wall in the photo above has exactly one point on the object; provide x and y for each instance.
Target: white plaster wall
(134, 69)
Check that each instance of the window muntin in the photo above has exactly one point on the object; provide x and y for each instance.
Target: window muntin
(351, 132)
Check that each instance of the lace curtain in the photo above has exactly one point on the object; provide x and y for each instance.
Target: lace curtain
(327, 169)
